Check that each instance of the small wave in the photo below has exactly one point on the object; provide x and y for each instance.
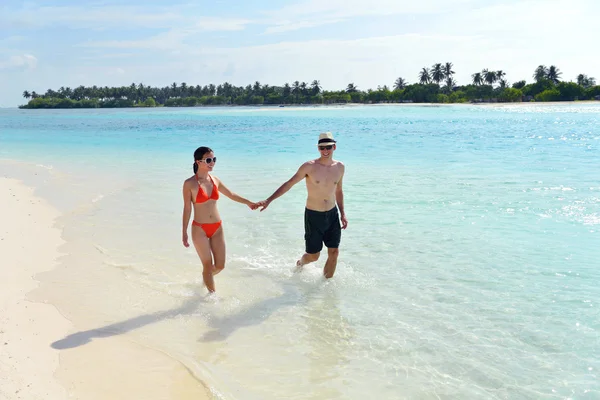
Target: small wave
(591, 219)
(101, 249)
(560, 188)
(97, 198)
(117, 265)
(48, 167)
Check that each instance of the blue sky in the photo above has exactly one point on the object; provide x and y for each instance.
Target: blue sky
(49, 44)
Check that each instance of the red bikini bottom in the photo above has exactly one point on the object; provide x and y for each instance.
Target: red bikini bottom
(209, 229)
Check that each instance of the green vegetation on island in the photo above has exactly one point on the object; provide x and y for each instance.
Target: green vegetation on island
(435, 85)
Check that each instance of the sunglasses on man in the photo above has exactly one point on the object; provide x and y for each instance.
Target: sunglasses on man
(329, 147)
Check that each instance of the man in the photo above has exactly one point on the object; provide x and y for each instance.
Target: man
(321, 219)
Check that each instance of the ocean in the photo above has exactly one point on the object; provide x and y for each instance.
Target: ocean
(469, 268)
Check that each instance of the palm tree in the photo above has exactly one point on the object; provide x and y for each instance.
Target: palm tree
(303, 88)
(450, 83)
(296, 89)
(541, 72)
(437, 73)
(424, 77)
(256, 88)
(316, 87)
(490, 77)
(399, 84)
(26, 94)
(266, 89)
(351, 88)
(554, 74)
(448, 70)
(585, 81)
(34, 95)
(500, 75)
(286, 90)
(477, 78)
(79, 92)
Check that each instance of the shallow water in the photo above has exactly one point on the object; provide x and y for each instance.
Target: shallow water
(468, 270)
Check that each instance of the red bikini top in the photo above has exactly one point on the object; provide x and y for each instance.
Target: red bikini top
(202, 197)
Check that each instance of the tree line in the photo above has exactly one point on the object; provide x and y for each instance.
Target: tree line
(435, 85)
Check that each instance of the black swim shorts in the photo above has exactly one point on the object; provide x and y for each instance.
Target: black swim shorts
(321, 227)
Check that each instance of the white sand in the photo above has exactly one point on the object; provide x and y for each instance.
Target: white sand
(108, 368)
(28, 245)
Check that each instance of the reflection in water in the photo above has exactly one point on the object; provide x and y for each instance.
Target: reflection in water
(329, 336)
(255, 314)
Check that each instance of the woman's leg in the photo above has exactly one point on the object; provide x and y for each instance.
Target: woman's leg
(217, 245)
(201, 243)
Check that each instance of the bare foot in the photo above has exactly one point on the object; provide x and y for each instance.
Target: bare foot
(299, 266)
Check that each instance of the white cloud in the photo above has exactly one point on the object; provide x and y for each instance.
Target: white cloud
(168, 41)
(25, 61)
(285, 26)
(311, 13)
(221, 24)
(122, 18)
(174, 40)
(355, 8)
(90, 17)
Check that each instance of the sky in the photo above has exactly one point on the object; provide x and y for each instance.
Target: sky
(54, 43)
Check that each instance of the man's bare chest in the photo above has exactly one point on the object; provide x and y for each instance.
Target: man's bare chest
(324, 178)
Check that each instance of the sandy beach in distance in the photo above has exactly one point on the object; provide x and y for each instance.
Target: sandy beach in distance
(30, 368)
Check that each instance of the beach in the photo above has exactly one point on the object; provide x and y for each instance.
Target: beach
(30, 368)
(468, 269)
(29, 244)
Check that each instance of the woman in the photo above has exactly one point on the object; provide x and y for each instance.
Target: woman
(201, 192)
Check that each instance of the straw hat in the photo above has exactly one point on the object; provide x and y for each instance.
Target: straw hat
(326, 138)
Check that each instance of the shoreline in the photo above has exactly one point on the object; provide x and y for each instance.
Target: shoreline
(333, 105)
(27, 362)
(32, 365)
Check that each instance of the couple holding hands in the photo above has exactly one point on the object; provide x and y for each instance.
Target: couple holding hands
(324, 216)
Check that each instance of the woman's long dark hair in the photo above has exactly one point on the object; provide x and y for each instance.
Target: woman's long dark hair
(198, 154)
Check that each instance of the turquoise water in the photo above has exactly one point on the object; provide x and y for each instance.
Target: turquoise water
(468, 270)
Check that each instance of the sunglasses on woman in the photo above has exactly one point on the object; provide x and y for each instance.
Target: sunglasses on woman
(209, 160)
(326, 147)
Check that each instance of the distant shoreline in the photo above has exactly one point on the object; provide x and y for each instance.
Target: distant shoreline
(333, 105)
(546, 88)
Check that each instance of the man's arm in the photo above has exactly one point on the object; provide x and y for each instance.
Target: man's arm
(339, 198)
(187, 212)
(298, 176)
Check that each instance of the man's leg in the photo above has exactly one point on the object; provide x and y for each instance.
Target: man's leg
(331, 263)
(332, 238)
(313, 237)
(307, 258)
